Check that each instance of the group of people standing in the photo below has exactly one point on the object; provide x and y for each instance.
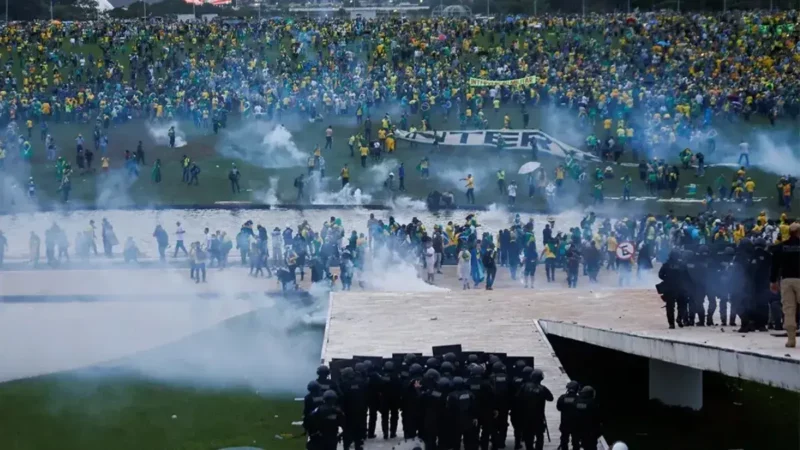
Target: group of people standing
(444, 402)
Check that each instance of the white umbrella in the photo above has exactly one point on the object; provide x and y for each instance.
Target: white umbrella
(529, 167)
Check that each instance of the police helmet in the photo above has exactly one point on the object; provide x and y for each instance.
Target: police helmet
(476, 370)
(432, 374)
(674, 255)
(450, 357)
(729, 251)
(415, 369)
(472, 359)
(432, 362)
(409, 358)
(348, 373)
(360, 367)
(312, 386)
(619, 446)
(447, 367)
(458, 382)
(703, 249)
(760, 243)
(587, 392)
(443, 383)
(520, 364)
(329, 396)
(498, 367)
(368, 365)
(573, 386)
(745, 244)
(527, 371)
(388, 366)
(493, 359)
(323, 371)
(537, 375)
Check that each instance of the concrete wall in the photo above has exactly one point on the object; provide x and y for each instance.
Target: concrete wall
(676, 385)
(778, 372)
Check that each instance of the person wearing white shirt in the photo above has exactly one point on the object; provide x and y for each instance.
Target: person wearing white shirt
(744, 153)
(179, 233)
(512, 193)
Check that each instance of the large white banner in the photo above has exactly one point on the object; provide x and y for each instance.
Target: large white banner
(513, 139)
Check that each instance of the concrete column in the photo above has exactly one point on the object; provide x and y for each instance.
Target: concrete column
(676, 385)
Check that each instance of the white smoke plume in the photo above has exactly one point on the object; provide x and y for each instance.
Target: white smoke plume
(159, 132)
(347, 196)
(263, 145)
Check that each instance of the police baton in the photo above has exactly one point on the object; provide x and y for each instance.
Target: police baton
(546, 429)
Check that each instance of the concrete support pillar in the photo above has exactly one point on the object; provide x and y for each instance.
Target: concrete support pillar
(676, 385)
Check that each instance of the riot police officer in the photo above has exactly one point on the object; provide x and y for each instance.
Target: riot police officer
(434, 420)
(727, 274)
(390, 395)
(741, 283)
(354, 405)
(324, 381)
(411, 402)
(761, 264)
(312, 400)
(533, 397)
(523, 374)
(502, 386)
(566, 405)
(479, 386)
(673, 275)
(697, 269)
(374, 382)
(324, 422)
(587, 418)
(462, 415)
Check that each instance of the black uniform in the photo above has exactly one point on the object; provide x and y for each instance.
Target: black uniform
(522, 373)
(323, 424)
(502, 389)
(726, 290)
(741, 282)
(435, 426)
(587, 418)
(482, 389)
(697, 269)
(312, 400)
(674, 276)
(354, 406)
(569, 427)
(411, 402)
(533, 397)
(390, 400)
(462, 415)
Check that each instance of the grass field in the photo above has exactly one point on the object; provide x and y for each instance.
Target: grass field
(447, 165)
(78, 412)
(232, 385)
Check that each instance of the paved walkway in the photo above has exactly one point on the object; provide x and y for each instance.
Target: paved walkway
(380, 324)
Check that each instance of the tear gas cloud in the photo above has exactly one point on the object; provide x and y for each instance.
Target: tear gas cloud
(269, 197)
(270, 350)
(261, 144)
(347, 196)
(159, 133)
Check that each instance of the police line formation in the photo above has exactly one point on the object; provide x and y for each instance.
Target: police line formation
(753, 281)
(445, 401)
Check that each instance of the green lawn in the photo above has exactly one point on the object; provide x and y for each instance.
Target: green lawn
(232, 385)
(78, 412)
(447, 166)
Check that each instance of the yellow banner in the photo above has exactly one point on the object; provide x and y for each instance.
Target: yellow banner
(480, 82)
